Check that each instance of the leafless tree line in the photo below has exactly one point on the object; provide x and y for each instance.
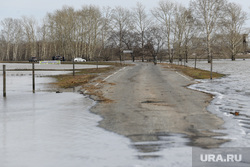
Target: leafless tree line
(205, 28)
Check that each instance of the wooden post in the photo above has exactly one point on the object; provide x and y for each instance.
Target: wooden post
(211, 68)
(33, 76)
(73, 67)
(4, 81)
(195, 60)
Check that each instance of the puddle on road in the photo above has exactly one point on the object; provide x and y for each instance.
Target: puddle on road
(152, 102)
(151, 145)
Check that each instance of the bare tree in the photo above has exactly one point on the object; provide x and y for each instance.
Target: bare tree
(43, 40)
(7, 35)
(142, 22)
(190, 31)
(1, 48)
(29, 25)
(155, 42)
(93, 33)
(105, 30)
(82, 30)
(121, 18)
(233, 22)
(18, 37)
(180, 30)
(87, 30)
(61, 27)
(164, 13)
(209, 14)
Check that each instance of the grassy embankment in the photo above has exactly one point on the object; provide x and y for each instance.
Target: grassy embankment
(192, 72)
(81, 77)
(87, 78)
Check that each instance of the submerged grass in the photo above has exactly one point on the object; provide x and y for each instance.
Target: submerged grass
(194, 73)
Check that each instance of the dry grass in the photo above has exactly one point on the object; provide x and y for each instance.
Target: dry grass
(192, 72)
(94, 70)
(97, 93)
(68, 81)
(112, 84)
(82, 77)
(86, 79)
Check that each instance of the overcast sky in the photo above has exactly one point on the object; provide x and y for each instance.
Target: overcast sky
(39, 8)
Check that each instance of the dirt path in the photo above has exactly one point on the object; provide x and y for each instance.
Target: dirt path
(150, 101)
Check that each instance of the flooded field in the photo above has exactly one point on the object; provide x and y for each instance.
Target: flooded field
(49, 129)
(232, 94)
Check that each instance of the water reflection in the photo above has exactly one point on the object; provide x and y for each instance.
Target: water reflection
(151, 145)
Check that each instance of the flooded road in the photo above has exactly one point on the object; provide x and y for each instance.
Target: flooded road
(47, 129)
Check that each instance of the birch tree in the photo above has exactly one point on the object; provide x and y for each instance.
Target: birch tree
(190, 32)
(209, 14)
(61, 25)
(105, 31)
(43, 40)
(94, 18)
(179, 29)
(233, 22)
(18, 34)
(7, 36)
(12, 35)
(30, 25)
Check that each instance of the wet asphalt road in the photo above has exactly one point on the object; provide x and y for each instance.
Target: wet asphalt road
(151, 101)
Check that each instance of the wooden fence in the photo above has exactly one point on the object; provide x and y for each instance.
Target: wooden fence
(33, 77)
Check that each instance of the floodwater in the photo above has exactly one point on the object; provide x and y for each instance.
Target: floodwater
(48, 66)
(49, 129)
(232, 94)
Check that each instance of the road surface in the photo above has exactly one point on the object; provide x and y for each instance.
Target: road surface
(151, 101)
